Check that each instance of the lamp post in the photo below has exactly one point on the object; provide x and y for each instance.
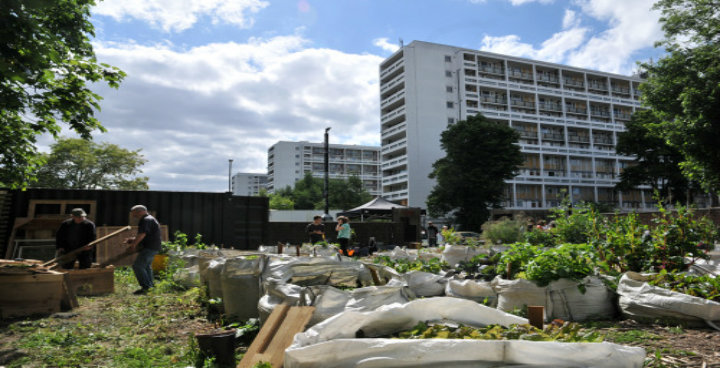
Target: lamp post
(326, 216)
(230, 175)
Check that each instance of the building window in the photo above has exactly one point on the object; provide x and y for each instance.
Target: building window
(449, 89)
(448, 74)
(448, 58)
(451, 121)
(450, 105)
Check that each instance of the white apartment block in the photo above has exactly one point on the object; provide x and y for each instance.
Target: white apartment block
(568, 119)
(248, 184)
(289, 161)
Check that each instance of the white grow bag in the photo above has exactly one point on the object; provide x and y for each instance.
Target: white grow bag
(475, 290)
(640, 299)
(454, 254)
(332, 343)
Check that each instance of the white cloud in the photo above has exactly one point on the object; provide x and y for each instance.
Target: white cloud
(632, 26)
(191, 110)
(179, 15)
(522, 2)
(385, 45)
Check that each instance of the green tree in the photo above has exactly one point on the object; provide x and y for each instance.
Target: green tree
(75, 163)
(480, 156)
(280, 202)
(46, 65)
(346, 194)
(683, 88)
(657, 164)
(307, 194)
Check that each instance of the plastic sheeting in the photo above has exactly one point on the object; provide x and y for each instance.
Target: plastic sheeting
(569, 303)
(240, 283)
(187, 277)
(454, 254)
(474, 290)
(638, 299)
(306, 271)
(214, 280)
(515, 294)
(332, 343)
(331, 301)
(425, 283)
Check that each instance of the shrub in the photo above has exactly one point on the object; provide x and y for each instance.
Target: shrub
(544, 238)
(503, 231)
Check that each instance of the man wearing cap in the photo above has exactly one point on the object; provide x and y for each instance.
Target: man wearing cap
(76, 232)
(148, 239)
(432, 232)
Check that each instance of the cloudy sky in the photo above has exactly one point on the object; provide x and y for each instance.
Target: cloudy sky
(210, 80)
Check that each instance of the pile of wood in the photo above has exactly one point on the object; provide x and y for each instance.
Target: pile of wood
(29, 288)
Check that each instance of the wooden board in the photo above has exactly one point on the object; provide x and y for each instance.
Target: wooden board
(276, 335)
(93, 281)
(107, 251)
(24, 295)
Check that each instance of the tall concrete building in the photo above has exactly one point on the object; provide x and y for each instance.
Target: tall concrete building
(289, 161)
(568, 119)
(248, 184)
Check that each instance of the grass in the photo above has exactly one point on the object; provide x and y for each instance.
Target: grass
(118, 330)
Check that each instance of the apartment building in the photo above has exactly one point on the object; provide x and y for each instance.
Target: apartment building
(248, 184)
(289, 161)
(568, 119)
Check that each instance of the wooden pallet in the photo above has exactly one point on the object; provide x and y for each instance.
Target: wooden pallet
(276, 335)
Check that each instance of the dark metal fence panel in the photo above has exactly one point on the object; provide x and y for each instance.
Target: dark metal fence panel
(221, 218)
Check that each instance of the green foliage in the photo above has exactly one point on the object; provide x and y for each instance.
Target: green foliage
(479, 156)
(702, 286)
(480, 266)
(626, 245)
(544, 238)
(46, 66)
(181, 243)
(656, 162)
(83, 164)
(516, 259)
(574, 223)
(307, 194)
(434, 265)
(683, 87)
(503, 231)
(567, 261)
(567, 332)
(451, 237)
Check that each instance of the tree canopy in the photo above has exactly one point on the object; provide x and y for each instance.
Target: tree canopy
(307, 194)
(683, 88)
(47, 65)
(656, 162)
(480, 156)
(79, 164)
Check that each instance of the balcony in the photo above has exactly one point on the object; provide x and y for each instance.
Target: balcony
(394, 130)
(572, 82)
(399, 161)
(394, 146)
(491, 69)
(576, 138)
(527, 134)
(394, 179)
(391, 68)
(553, 137)
(394, 97)
(549, 106)
(493, 100)
(621, 115)
(547, 78)
(393, 114)
(394, 82)
(603, 140)
(571, 109)
(519, 74)
(623, 91)
(600, 113)
(597, 86)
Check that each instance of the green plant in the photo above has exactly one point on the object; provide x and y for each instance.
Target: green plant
(574, 223)
(565, 332)
(451, 237)
(544, 238)
(567, 261)
(703, 286)
(513, 261)
(434, 265)
(503, 231)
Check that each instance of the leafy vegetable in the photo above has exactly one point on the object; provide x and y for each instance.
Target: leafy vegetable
(434, 265)
(557, 331)
(704, 286)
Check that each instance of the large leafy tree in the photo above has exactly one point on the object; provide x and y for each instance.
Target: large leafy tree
(656, 162)
(47, 65)
(79, 164)
(683, 88)
(307, 194)
(480, 156)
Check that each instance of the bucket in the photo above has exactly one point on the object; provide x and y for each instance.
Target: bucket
(159, 262)
(219, 344)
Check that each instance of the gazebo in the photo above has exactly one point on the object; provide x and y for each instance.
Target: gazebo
(378, 208)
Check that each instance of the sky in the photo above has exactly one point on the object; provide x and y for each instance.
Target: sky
(212, 80)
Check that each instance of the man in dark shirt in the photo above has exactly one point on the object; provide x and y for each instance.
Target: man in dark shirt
(432, 232)
(74, 233)
(316, 230)
(148, 239)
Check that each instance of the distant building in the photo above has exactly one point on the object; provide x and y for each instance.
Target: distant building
(248, 184)
(568, 119)
(289, 161)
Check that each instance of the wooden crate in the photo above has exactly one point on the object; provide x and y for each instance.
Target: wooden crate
(93, 281)
(28, 294)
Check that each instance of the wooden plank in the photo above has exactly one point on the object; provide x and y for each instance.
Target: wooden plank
(276, 335)
(77, 251)
(113, 250)
(93, 281)
(24, 295)
(69, 299)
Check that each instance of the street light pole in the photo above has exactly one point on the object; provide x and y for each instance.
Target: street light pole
(326, 190)
(230, 175)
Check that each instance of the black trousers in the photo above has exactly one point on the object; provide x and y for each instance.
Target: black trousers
(343, 245)
(84, 258)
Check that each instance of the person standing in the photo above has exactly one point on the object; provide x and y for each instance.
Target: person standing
(343, 237)
(73, 233)
(316, 230)
(432, 232)
(148, 239)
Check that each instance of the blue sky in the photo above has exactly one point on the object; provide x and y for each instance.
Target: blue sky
(210, 80)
